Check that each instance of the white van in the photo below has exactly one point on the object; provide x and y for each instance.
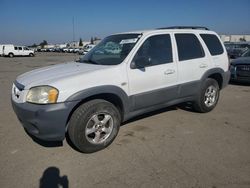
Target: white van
(1, 48)
(10, 50)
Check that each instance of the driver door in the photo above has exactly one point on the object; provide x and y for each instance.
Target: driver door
(156, 82)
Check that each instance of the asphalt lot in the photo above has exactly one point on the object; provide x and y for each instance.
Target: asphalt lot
(173, 147)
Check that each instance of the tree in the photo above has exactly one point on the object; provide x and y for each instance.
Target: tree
(80, 42)
(34, 45)
(242, 39)
(91, 40)
(42, 44)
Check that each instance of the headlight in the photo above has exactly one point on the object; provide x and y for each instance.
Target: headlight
(232, 67)
(42, 95)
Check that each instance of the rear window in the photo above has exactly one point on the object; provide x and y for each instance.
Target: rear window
(189, 46)
(213, 44)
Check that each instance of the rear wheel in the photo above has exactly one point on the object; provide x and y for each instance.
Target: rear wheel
(208, 97)
(94, 125)
(11, 55)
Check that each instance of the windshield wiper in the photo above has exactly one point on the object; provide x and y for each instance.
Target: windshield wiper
(90, 61)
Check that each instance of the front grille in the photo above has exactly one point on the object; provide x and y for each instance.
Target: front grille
(243, 70)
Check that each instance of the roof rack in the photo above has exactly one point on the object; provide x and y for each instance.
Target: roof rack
(185, 27)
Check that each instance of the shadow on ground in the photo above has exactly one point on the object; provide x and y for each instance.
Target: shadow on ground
(51, 179)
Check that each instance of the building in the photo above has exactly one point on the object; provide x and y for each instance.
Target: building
(61, 45)
(49, 46)
(235, 38)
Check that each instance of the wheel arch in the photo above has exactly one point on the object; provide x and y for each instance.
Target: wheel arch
(216, 74)
(112, 94)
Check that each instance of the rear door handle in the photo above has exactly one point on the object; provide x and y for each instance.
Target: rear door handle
(203, 65)
(169, 71)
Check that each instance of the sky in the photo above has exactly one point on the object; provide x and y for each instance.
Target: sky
(25, 22)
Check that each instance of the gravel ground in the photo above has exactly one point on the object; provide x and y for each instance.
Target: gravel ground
(173, 147)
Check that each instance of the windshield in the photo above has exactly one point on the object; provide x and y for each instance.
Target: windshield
(111, 50)
(246, 54)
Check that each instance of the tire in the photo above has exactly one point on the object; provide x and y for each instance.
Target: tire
(11, 55)
(86, 125)
(31, 55)
(208, 96)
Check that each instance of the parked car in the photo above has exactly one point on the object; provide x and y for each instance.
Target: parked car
(76, 50)
(65, 50)
(89, 99)
(240, 68)
(81, 51)
(11, 51)
(71, 50)
(236, 49)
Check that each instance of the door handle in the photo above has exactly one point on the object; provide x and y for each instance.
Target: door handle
(203, 65)
(169, 71)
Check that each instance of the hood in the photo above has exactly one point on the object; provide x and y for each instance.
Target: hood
(241, 61)
(52, 73)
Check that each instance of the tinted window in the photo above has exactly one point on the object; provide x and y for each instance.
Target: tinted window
(189, 47)
(158, 48)
(15, 48)
(213, 44)
(19, 48)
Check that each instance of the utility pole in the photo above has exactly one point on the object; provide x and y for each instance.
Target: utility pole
(73, 24)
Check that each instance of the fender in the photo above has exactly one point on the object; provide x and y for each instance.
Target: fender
(212, 71)
(225, 75)
(105, 89)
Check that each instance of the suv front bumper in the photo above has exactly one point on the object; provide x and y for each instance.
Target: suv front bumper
(46, 122)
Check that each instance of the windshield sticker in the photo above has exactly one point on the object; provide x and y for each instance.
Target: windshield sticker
(127, 41)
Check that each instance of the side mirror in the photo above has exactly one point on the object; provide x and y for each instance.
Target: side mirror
(141, 62)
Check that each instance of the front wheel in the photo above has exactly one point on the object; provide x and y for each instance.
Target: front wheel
(94, 125)
(208, 97)
(31, 55)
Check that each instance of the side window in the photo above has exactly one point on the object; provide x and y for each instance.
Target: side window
(156, 48)
(15, 48)
(213, 44)
(189, 46)
(20, 48)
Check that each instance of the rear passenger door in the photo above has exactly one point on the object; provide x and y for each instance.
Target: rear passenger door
(155, 83)
(192, 62)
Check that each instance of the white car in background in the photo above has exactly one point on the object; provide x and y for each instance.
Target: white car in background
(11, 51)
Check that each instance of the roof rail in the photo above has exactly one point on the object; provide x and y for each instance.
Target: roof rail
(185, 27)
